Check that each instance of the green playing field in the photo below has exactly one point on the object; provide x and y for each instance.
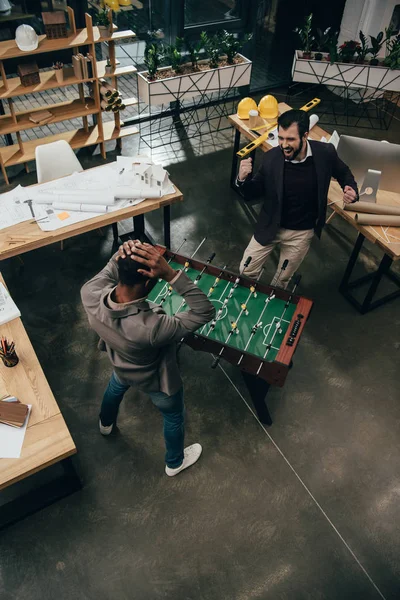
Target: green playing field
(269, 314)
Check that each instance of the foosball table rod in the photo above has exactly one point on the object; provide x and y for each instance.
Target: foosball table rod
(216, 282)
(220, 311)
(271, 296)
(208, 262)
(278, 325)
(187, 263)
(234, 328)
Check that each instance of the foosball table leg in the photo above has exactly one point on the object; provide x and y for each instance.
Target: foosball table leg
(258, 390)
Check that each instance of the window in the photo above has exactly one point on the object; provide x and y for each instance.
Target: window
(211, 11)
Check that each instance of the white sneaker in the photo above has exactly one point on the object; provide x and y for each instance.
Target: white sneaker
(191, 455)
(105, 429)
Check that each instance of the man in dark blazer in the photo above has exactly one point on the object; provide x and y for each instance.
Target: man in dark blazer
(294, 180)
(140, 339)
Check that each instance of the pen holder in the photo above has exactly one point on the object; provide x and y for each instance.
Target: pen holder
(10, 359)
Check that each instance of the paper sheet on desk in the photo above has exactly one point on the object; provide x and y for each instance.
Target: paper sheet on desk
(126, 162)
(48, 216)
(12, 207)
(103, 181)
(12, 438)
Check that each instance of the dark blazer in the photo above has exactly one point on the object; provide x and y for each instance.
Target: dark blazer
(268, 183)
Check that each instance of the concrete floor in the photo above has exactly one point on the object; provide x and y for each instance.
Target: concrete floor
(307, 509)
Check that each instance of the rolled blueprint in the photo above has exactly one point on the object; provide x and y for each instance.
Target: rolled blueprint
(373, 208)
(313, 120)
(273, 135)
(94, 208)
(125, 192)
(365, 219)
(75, 197)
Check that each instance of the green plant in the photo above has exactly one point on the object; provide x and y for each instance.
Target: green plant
(376, 45)
(152, 59)
(173, 54)
(363, 49)
(304, 33)
(322, 39)
(332, 46)
(392, 60)
(388, 35)
(347, 50)
(212, 47)
(101, 18)
(230, 45)
(194, 52)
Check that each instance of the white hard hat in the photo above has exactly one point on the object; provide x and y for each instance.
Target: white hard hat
(26, 38)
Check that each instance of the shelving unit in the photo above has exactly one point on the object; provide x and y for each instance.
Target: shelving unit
(82, 107)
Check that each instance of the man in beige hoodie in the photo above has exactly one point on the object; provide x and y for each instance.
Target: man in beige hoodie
(140, 339)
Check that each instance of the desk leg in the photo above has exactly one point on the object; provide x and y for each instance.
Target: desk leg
(384, 269)
(352, 261)
(138, 226)
(43, 496)
(258, 390)
(235, 159)
(167, 226)
(139, 230)
(115, 243)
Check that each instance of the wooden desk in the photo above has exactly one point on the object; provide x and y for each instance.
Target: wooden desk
(47, 440)
(28, 235)
(375, 235)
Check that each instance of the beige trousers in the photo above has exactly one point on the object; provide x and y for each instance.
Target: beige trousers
(294, 246)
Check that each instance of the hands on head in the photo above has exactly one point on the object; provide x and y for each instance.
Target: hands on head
(154, 264)
(349, 195)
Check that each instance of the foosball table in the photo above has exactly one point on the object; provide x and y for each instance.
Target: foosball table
(256, 328)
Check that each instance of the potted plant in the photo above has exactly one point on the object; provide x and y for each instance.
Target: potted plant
(333, 54)
(211, 46)
(376, 45)
(230, 45)
(59, 71)
(108, 67)
(176, 82)
(347, 51)
(305, 36)
(194, 53)
(363, 49)
(392, 59)
(322, 42)
(102, 21)
(173, 54)
(152, 60)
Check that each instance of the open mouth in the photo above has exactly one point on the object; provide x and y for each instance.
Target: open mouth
(287, 151)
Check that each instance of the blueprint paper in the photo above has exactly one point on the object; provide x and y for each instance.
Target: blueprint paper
(12, 207)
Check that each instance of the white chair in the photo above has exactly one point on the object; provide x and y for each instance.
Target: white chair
(55, 160)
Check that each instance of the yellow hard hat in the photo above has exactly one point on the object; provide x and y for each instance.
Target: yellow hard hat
(268, 107)
(244, 106)
(125, 2)
(113, 4)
